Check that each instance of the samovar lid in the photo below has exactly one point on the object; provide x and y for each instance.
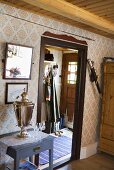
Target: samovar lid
(24, 99)
(24, 96)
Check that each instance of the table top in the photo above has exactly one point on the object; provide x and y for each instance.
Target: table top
(14, 140)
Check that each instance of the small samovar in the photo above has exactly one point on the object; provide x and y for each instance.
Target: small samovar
(23, 111)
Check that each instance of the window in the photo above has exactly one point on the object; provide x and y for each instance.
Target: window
(72, 73)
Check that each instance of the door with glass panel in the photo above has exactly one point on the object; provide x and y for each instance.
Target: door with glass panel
(69, 76)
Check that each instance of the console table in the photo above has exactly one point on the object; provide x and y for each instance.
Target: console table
(19, 148)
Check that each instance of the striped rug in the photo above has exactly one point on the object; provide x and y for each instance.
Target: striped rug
(62, 147)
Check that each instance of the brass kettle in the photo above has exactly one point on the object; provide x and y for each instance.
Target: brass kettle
(23, 111)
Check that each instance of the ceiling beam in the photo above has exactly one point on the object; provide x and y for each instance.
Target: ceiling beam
(73, 12)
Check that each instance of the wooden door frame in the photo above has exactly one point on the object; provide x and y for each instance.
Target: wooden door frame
(72, 43)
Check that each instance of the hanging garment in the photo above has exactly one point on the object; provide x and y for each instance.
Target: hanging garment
(45, 107)
(51, 99)
(54, 112)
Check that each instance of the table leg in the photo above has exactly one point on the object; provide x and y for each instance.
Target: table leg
(16, 163)
(36, 161)
(50, 159)
(31, 159)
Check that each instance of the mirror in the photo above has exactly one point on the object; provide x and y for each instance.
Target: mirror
(17, 62)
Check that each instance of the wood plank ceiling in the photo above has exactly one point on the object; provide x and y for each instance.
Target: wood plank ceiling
(92, 15)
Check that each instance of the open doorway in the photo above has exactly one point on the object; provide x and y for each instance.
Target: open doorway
(73, 109)
(59, 84)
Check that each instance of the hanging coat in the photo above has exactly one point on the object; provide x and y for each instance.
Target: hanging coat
(53, 114)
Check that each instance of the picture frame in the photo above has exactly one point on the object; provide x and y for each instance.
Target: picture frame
(13, 90)
(18, 62)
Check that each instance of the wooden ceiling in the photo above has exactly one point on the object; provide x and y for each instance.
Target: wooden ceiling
(93, 15)
(102, 8)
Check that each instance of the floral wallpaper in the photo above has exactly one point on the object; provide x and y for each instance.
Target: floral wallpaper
(21, 27)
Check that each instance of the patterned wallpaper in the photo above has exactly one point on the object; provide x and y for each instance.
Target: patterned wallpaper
(20, 27)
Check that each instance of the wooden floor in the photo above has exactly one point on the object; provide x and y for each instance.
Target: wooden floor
(97, 162)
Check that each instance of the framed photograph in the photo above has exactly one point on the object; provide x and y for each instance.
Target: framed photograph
(13, 90)
(18, 62)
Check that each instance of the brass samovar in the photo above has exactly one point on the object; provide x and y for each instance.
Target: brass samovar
(23, 111)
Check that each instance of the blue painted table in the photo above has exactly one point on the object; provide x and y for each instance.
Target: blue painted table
(19, 148)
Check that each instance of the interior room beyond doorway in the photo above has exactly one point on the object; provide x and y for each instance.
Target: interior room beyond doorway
(66, 62)
(61, 63)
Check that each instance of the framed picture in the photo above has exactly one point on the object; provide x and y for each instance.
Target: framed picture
(13, 90)
(18, 62)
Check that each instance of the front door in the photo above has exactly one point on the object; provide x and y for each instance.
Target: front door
(69, 76)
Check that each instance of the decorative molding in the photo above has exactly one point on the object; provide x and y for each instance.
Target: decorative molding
(64, 37)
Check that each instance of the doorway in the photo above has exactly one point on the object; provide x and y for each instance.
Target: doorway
(49, 39)
(59, 81)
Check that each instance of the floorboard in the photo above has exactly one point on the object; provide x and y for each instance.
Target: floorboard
(99, 161)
